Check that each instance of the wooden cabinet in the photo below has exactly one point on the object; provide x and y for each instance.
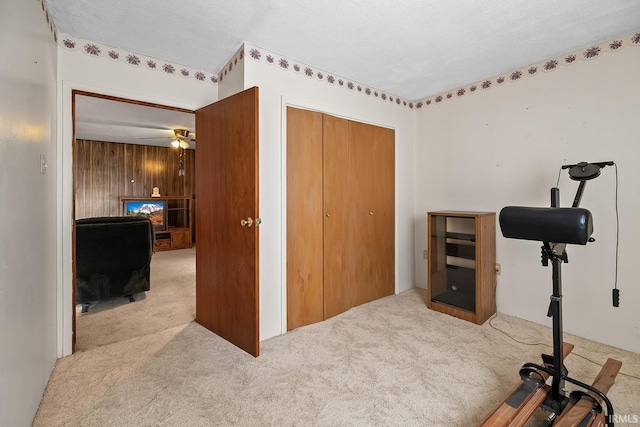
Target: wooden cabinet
(461, 264)
(340, 215)
(180, 239)
(175, 230)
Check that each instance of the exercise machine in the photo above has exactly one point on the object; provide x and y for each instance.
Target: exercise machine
(556, 227)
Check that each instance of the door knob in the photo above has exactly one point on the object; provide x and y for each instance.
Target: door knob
(370, 212)
(328, 214)
(246, 222)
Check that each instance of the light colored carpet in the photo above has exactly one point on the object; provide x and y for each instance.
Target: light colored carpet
(171, 301)
(391, 362)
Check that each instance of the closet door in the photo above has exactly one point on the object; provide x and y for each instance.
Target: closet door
(372, 176)
(383, 208)
(340, 215)
(363, 181)
(339, 246)
(304, 218)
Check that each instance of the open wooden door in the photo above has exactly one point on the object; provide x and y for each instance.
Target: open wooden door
(227, 267)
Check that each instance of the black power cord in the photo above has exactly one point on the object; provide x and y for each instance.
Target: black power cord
(615, 291)
(495, 316)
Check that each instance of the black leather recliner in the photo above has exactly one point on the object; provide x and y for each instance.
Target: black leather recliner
(113, 258)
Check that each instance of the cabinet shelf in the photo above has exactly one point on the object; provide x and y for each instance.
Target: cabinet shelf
(461, 264)
(461, 289)
(461, 236)
(177, 233)
(461, 251)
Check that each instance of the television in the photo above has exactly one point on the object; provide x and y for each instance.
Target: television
(155, 210)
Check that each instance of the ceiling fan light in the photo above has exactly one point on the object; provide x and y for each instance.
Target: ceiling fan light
(184, 144)
(181, 133)
(175, 143)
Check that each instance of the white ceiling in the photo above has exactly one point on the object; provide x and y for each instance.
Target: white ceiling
(98, 119)
(409, 48)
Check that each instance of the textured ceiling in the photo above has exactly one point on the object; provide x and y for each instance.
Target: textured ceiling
(411, 48)
(99, 119)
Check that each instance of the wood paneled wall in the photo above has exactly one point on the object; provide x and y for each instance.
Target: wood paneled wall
(104, 171)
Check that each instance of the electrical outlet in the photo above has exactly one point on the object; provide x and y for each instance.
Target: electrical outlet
(498, 269)
(424, 254)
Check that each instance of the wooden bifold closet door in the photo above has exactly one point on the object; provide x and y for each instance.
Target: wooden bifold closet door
(340, 215)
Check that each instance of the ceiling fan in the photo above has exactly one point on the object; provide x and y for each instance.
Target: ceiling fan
(180, 139)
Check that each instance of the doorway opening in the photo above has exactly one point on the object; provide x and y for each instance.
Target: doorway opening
(122, 150)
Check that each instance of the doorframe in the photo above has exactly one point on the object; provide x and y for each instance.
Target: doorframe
(336, 111)
(65, 196)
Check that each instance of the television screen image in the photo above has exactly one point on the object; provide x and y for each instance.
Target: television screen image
(153, 210)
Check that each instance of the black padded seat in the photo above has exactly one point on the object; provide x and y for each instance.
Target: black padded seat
(553, 225)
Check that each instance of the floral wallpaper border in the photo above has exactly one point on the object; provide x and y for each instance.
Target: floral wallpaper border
(549, 65)
(285, 64)
(231, 64)
(47, 15)
(585, 54)
(97, 50)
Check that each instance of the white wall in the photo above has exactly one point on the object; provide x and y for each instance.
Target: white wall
(279, 88)
(480, 152)
(504, 146)
(27, 210)
(78, 70)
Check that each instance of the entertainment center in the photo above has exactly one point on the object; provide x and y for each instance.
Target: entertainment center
(461, 264)
(171, 216)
